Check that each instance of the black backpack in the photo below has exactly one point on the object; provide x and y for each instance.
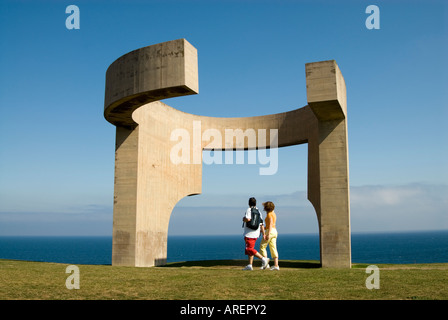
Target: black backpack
(255, 219)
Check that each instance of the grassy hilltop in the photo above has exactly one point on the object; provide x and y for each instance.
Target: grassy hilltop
(221, 280)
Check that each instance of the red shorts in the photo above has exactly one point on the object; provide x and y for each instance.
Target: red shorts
(250, 244)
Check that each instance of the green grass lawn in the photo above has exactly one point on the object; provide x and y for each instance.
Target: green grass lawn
(221, 280)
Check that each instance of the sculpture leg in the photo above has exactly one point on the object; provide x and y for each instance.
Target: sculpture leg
(147, 187)
(328, 162)
(334, 219)
(125, 196)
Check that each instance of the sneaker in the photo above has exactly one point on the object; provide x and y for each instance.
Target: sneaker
(264, 263)
(275, 268)
(248, 267)
(267, 266)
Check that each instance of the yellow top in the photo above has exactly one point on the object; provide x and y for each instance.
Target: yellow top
(270, 220)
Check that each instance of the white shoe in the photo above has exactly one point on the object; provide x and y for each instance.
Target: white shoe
(261, 268)
(248, 267)
(275, 268)
(264, 263)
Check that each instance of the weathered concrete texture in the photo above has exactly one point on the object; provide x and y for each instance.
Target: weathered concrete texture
(152, 73)
(148, 183)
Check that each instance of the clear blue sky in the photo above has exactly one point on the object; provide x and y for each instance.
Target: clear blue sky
(57, 150)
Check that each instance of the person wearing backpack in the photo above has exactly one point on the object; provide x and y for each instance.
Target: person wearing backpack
(253, 224)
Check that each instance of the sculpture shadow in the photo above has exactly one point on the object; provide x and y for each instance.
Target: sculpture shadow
(241, 263)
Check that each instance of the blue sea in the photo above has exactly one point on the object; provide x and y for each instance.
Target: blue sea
(372, 248)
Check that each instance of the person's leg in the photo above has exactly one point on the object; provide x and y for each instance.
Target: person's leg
(250, 244)
(264, 260)
(263, 246)
(273, 248)
(250, 251)
(259, 256)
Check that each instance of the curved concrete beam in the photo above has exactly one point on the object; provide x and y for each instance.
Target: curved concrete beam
(148, 74)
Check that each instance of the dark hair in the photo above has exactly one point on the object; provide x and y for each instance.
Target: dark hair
(268, 206)
(252, 202)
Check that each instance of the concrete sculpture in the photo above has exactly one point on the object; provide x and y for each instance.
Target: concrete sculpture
(148, 184)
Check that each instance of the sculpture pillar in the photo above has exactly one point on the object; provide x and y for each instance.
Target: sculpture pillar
(328, 150)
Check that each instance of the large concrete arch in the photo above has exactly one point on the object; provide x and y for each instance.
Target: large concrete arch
(148, 183)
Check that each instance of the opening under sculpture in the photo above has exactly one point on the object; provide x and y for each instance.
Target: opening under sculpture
(148, 184)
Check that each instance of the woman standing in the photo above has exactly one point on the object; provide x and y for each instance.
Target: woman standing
(270, 237)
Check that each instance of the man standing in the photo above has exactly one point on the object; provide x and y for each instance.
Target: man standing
(251, 236)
